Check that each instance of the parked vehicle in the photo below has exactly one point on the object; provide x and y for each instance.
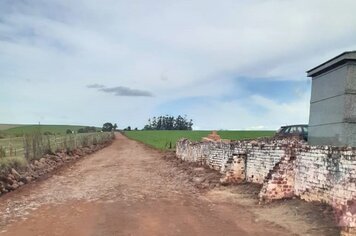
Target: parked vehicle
(300, 131)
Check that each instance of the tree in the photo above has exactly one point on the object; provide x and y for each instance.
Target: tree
(69, 131)
(128, 128)
(169, 123)
(115, 126)
(86, 129)
(107, 127)
(179, 123)
(81, 131)
(89, 129)
(147, 127)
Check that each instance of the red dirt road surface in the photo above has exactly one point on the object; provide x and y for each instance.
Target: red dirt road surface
(130, 189)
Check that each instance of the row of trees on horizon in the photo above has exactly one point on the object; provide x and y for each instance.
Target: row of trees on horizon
(156, 123)
(169, 123)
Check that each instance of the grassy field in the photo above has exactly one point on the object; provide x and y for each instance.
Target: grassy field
(167, 138)
(7, 126)
(19, 130)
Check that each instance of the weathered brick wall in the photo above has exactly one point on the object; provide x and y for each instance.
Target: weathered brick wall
(219, 154)
(192, 152)
(325, 173)
(279, 182)
(328, 174)
(212, 154)
(261, 157)
(235, 169)
(286, 169)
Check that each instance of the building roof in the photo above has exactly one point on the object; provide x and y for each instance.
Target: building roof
(332, 63)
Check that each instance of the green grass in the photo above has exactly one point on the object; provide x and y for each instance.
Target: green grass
(28, 129)
(168, 138)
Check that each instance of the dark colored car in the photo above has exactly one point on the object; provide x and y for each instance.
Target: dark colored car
(300, 131)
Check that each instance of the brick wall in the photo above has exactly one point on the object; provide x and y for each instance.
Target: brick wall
(328, 174)
(279, 182)
(285, 168)
(260, 157)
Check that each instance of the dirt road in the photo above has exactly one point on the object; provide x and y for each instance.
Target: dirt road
(126, 189)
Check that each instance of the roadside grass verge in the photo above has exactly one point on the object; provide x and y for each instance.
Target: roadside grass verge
(166, 139)
(7, 163)
(17, 152)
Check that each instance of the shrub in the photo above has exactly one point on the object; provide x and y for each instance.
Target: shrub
(90, 129)
(95, 140)
(85, 141)
(12, 162)
(70, 143)
(81, 131)
(33, 146)
(87, 129)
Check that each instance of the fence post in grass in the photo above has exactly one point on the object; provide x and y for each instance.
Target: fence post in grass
(58, 143)
(55, 145)
(2, 152)
(24, 147)
(9, 147)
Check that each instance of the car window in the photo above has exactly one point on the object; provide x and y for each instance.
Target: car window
(286, 130)
(305, 129)
(293, 130)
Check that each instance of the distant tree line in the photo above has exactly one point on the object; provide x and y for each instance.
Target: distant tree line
(108, 127)
(169, 123)
(128, 128)
(87, 129)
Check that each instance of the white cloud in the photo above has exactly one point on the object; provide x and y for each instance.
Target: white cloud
(50, 51)
(261, 112)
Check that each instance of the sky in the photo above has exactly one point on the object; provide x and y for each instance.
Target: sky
(229, 64)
